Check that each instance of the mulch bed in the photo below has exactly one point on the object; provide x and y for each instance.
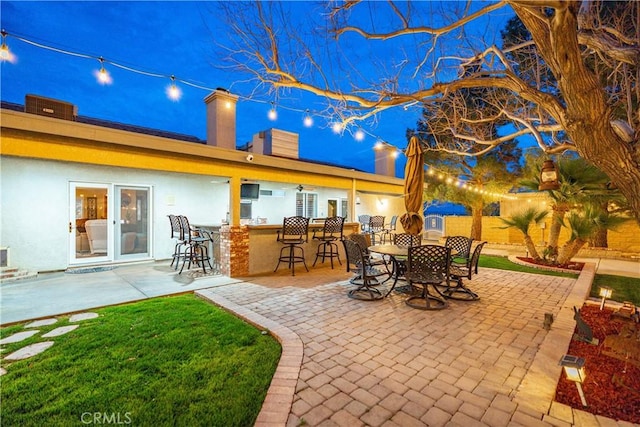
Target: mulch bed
(572, 265)
(612, 386)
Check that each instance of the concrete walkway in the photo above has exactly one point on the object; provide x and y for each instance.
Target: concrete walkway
(348, 362)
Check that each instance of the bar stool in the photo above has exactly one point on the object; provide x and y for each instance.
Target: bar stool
(294, 233)
(327, 236)
(195, 242)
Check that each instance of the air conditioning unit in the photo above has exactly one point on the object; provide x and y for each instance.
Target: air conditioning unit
(42, 106)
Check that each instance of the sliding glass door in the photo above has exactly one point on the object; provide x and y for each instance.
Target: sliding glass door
(108, 222)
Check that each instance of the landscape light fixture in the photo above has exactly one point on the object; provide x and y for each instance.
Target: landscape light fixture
(605, 292)
(173, 92)
(103, 75)
(549, 176)
(574, 370)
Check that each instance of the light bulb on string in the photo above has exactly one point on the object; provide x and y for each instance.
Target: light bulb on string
(378, 145)
(173, 92)
(359, 135)
(5, 53)
(273, 114)
(308, 120)
(102, 75)
(336, 127)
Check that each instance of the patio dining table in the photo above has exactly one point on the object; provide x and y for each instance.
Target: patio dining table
(396, 253)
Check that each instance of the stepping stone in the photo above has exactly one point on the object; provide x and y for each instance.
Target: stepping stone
(17, 337)
(82, 316)
(60, 331)
(39, 323)
(2, 371)
(29, 351)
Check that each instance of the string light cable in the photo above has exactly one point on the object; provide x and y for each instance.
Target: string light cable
(174, 93)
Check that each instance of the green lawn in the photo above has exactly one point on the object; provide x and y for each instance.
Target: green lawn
(165, 361)
(624, 288)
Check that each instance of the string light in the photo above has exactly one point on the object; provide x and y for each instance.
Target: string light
(173, 92)
(308, 120)
(103, 76)
(273, 114)
(5, 53)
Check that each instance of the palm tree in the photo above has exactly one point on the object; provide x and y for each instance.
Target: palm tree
(522, 221)
(580, 183)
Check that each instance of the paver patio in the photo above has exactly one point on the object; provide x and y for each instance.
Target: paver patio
(383, 363)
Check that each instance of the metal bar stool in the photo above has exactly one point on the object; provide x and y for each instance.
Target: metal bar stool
(294, 233)
(327, 236)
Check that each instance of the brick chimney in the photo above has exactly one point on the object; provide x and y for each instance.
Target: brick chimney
(385, 159)
(221, 118)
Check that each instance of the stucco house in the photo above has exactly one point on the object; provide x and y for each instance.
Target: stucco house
(78, 191)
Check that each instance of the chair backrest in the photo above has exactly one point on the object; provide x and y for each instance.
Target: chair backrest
(333, 227)
(185, 228)
(363, 240)
(461, 245)
(430, 262)
(392, 224)
(473, 265)
(406, 239)
(175, 227)
(355, 256)
(364, 221)
(294, 227)
(376, 223)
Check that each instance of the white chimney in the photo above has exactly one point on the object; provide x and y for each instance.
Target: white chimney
(385, 160)
(221, 119)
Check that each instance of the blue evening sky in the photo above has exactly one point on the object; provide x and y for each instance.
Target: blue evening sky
(167, 38)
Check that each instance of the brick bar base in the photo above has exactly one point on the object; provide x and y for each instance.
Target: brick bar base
(234, 251)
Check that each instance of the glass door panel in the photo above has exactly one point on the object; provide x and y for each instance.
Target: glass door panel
(132, 224)
(89, 225)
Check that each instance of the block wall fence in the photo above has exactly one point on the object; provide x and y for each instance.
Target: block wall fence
(625, 238)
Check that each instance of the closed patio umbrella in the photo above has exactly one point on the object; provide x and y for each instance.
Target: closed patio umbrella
(411, 220)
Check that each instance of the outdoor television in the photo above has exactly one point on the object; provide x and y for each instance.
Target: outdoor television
(250, 191)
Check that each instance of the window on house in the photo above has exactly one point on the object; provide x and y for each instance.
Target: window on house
(307, 205)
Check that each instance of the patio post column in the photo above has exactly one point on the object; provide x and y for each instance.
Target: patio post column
(234, 250)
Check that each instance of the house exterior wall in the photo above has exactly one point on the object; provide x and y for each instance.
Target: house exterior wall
(41, 155)
(35, 212)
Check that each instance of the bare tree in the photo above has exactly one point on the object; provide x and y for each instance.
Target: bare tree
(422, 54)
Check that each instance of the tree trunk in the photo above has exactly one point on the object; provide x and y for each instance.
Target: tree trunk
(556, 225)
(476, 222)
(569, 250)
(531, 247)
(599, 239)
(587, 116)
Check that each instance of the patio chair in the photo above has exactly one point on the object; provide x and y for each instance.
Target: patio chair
(176, 233)
(427, 265)
(366, 274)
(460, 248)
(457, 272)
(376, 227)
(327, 236)
(389, 229)
(364, 222)
(293, 234)
(196, 243)
(404, 239)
